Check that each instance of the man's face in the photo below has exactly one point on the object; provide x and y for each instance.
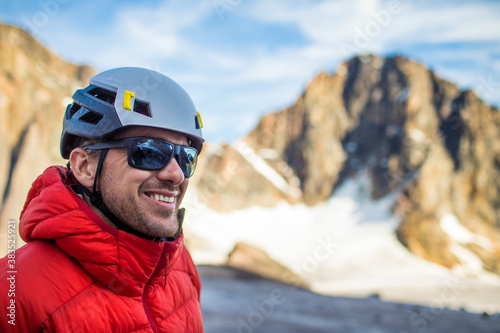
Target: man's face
(147, 201)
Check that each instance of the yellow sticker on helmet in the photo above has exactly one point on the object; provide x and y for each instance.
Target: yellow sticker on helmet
(199, 118)
(127, 98)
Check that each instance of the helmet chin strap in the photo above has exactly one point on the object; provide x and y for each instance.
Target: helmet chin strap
(97, 200)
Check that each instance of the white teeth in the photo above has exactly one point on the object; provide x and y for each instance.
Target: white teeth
(159, 197)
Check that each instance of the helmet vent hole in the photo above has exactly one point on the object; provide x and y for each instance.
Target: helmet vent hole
(197, 122)
(74, 109)
(142, 108)
(103, 94)
(91, 118)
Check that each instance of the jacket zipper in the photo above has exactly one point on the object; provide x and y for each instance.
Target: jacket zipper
(146, 286)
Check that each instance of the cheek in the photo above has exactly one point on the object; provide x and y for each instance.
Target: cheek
(119, 191)
(118, 172)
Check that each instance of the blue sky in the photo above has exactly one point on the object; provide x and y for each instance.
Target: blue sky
(240, 59)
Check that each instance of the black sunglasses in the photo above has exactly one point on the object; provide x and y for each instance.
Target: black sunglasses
(153, 154)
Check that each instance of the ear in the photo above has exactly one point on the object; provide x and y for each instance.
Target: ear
(83, 167)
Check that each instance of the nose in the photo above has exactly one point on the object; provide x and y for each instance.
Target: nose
(172, 172)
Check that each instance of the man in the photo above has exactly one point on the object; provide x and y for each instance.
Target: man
(104, 248)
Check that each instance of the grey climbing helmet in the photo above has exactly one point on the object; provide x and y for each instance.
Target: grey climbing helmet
(124, 97)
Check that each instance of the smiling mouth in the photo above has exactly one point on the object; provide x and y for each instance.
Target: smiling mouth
(162, 198)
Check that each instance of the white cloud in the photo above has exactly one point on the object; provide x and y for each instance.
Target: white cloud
(327, 23)
(154, 33)
(467, 22)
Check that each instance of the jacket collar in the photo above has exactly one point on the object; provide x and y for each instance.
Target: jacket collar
(121, 261)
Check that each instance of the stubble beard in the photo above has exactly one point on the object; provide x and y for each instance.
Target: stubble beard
(130, 210)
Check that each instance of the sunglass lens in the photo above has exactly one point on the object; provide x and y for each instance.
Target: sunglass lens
(150, 154)
(187, 160)
(154, 154)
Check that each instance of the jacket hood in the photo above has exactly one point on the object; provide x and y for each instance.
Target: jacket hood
(121, 261)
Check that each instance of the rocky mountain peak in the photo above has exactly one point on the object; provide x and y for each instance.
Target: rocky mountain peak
(415, 135)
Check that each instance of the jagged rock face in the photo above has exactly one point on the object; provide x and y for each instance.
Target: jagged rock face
(35, 86)
(307, 136)
(415, 134)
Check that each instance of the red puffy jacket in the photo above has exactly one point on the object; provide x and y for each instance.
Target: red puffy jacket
(77, 274)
